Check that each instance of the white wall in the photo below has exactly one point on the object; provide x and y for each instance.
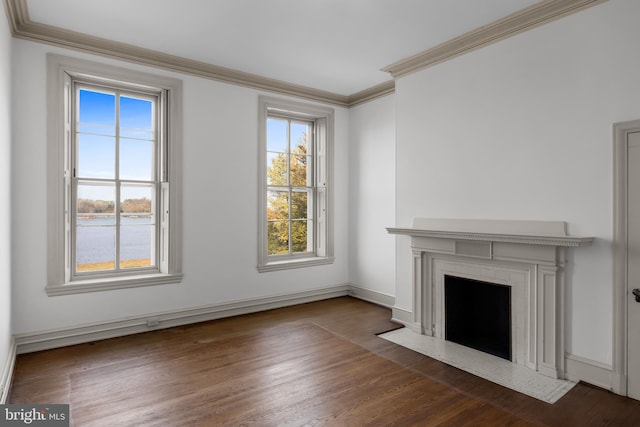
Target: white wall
(372, 195)
(522, 130)
(220, 207)
(5, 192)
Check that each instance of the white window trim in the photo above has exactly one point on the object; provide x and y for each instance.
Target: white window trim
(59, 68)
(324, 118)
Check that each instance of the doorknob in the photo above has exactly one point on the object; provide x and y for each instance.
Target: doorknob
(636, 293)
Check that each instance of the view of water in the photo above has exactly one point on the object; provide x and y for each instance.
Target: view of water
(95, 241)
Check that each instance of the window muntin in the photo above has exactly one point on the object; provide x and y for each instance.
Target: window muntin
(114, 191)
(294, 176)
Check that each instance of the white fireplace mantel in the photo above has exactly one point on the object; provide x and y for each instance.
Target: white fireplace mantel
(528, 256)
(547, 233)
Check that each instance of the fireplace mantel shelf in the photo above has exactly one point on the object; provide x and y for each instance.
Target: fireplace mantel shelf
(545, 233)
(563, 241)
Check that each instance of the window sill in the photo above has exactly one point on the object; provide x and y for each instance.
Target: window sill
(98, 285)
(294, 263)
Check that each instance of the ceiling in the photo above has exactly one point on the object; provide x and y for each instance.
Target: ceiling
(338, 46)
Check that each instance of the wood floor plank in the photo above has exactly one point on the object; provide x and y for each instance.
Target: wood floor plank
(313, 364)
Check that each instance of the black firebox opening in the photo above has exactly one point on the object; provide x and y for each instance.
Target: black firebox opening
(478, 315)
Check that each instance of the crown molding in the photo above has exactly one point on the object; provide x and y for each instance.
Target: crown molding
(516, 23)
(372, 93)
(16, 12)
(540, 13)
(22, 27)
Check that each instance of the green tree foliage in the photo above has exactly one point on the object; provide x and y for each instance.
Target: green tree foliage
(278, 202)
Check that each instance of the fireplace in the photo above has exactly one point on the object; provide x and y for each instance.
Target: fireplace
(524, 304)
(478, 315)
(524, 260)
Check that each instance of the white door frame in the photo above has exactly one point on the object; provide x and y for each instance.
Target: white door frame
(620, 296)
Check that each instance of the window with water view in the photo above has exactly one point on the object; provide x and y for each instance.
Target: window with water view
(115, 182)
(114, 177)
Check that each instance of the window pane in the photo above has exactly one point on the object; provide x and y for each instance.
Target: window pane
(137, 239)
(136, 118)
(136, 200)
(95, 244)
(95, 226)
(97, 112)
(300, 175)
(136, 159)
(277, 205)
(299, 132)
(277, 135)
(96, 199)
(299, 205)
(277, 168)
(299, 236)
(278, 237)
(96, 156)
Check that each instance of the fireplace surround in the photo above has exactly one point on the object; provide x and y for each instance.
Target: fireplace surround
(529, 257)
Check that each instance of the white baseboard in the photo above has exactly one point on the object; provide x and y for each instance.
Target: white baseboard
(577, 368)
(372, 296)
(592, 372)
(7, 372)
(404, 317)
(619, 383)
(31, 342)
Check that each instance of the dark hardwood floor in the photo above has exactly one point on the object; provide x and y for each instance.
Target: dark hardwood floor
(312, 364)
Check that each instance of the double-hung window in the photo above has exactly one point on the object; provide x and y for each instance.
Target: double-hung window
(114, 172)
(295, 185)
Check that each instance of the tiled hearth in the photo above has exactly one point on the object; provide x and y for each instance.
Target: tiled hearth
(492, 368)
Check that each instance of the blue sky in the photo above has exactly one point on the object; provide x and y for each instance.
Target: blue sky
(277, 134)
(97, 143)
